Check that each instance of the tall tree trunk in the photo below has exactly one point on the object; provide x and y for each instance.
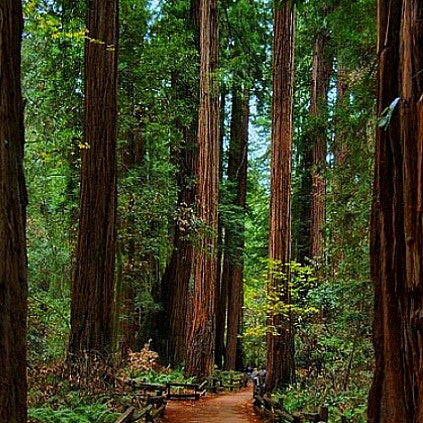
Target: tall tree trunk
(397, 218)
(93, 284)
(234, 237)
(178, 272)
(221, 289)
(126, 311)
(320, 82)
(13, 199)
(177, 276)
(280, 346)
(201, 334)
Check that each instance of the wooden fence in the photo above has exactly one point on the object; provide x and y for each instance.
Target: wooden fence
(156, 395)
(230, 381)
(193, 391)
(154, 409)
(274, 411)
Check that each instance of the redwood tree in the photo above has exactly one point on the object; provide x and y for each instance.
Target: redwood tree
(178, 272)
(221, 286)
(280, 348)
(13, 273)
(397, 225)
(320, 82)
(93, 283)
(233, 266)
(201, 334)
(177, 276)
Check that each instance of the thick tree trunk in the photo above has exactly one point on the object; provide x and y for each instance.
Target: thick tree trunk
(13, 265)
(201, 334)
(280, 346)
(397, 219)
(93, 284)
(320, 82)
(178, 272)
(234, 234)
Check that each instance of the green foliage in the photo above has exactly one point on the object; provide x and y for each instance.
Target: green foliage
(163, 377)
(158, 98)
(97, 413)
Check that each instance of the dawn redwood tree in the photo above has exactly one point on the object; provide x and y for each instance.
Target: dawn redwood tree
(280, 346)
(320, 81)
(201, 334)
(233, 266)
(93, 282)
(397, 225)
(13, 199)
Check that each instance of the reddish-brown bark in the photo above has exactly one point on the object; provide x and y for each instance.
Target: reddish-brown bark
(320, 81)
(233, 266)
(221, 289)
(13, 265)
(178, 272)
(177, 276)
(93, 284)
(397, 218)
(280, 348)
(201, 334)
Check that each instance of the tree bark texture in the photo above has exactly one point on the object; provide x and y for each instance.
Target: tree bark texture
(233, 266)
(320, 81)
(93, 284)
(178, 272)
(201, 334)
(13, 199)
(280, 348)
(221, 289)
(397, 218)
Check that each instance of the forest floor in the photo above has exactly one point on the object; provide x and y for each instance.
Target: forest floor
(230, 407)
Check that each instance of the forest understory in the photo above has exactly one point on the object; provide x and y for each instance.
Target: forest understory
(194, 190)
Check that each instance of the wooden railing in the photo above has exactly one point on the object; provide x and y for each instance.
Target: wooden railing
(172, 390)
(266, 406)
(230, 381)
(189, 390)
(154, 409)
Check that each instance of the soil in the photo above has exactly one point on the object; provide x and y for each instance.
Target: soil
(231, 407)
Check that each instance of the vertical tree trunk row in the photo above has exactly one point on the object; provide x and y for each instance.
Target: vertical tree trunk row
(233, 267)
(221, 287)
(397, 218)
(93, 284)
(13, 199)
(201, 336)
(280, 348)
(320, 81)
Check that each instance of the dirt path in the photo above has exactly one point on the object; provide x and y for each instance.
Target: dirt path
(226, 408)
